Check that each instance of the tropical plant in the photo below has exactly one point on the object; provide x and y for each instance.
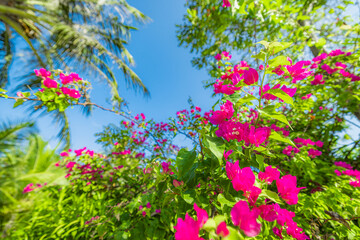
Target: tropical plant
(85, 35)
(32, 165)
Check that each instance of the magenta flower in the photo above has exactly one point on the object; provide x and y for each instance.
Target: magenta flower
(226, 3)
(226, 112)
(165, 167)
(28, 188)
(319, 143)
(232, 169)
(227, 154)
(158, 210)
(252, 195)
(277, 232)
(148, 205)
(144, 213)
(202, 215)
(64, 154)
(257, 136)
(187, 229)
(318, 79)
(251, 76)
(244, 180)
(222, 230)
(268, 212)
(245, 219)
(218, 57)
(337, 172)
(176, 183)
(49, 83)
(42, 72)
(287, 189)
(269, 175)
(289, 91)
(307, 96)
(355, 183)
(313, 153)
(343, 164)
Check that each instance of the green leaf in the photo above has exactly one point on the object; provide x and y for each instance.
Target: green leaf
(18, 102)
(270, 111)
(217, 147)
(233, 234)
(261, 56)
(218, 219)
(279, 60)
(276, 47)
(264, 43)
(246, 99)
(210, 225)
(282, 95)
(271, 195)
(274, 135)
(189, 196)
(184, 161)
(320, 43)
(2, 90)
(223, 201)
(260, 161)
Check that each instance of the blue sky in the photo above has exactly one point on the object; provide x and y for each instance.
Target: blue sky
(164, 68)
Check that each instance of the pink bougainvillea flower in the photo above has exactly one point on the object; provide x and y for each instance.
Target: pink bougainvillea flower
(318, 79)
(232, 169)
(328, 69)
(261, 67)
(313, 153)
(226, 112)
(252, 195)
(293, 230)
(336, 52)
(218, 57)
(289, 91)
(297, 72)
(284, 216)
(226, 3)
(267, 95)
(251, 76)
(64, 154)
(158, 210)
(222, 230)
(70, 165)
(319, 143)
(226, 54)
(244, 180)
(49, 83)
(257, 136)
(148, 205)
(165, 167)
(202, 215)
(187, 229)
(144, 213)
(277, 232)
(227, 154)
(343, 164)
(319, 58)
(74, 93)
(79, 151)
(42, 72)
(307, 96)
(268, 212)
(337, 172)
(287, 189)
(270, 174)
(28, 188)
(176, 183)
(355, 183)
(245, 219)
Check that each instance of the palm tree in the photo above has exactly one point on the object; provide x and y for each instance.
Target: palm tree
(19, 167)
(88, 36)
(12, 133)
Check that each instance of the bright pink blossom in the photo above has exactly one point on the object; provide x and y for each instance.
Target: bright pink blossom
(337, 172)
(148, 205)
(49, 83)
(318, 79)
(222, 230)
(218, 57)
(343, 164)
(268, 212)
(287, 189)
(227, 154)
(42, 72)
(269, 175)
(251, 76)
(277, 232)
(244, 180)
(226, 112)
(187, 229)
(202, 215)
(226, 3)
(245, 219)
(64, 154)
